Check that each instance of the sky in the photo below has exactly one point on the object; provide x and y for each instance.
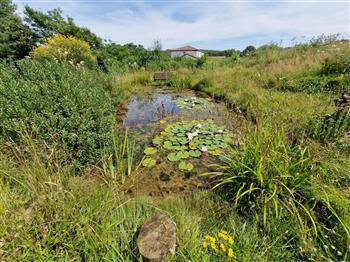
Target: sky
(206, 24)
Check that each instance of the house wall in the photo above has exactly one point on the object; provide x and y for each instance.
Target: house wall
(182, 53)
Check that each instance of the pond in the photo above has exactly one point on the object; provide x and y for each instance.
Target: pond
(160, 124)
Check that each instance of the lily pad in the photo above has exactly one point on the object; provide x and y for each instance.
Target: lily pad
(150, 151)
(167, 145)
(195, 153)
(185, 166)
(157, 140)
(173, 157)
(149, 162)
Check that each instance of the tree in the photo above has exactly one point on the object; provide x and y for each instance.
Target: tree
(16, 39)
(52, 23)
(248, 50)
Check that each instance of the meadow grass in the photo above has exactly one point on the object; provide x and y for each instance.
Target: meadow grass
(49, 213)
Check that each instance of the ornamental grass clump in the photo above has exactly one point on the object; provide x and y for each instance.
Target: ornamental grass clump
(222, 245)
(268, 177)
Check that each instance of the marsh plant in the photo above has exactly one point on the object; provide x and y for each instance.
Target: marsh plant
(267, 177)
(122, 161)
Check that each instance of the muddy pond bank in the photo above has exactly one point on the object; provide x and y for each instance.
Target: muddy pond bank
(178, 135)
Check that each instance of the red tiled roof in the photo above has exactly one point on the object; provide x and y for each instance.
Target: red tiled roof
(185, 48)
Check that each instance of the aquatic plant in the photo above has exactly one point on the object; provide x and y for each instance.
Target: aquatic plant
(187, 140)
(191, 102)
(123, 156)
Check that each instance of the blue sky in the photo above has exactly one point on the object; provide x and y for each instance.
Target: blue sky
(209, 24)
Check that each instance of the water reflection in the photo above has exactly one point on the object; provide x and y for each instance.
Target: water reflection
(142, 110)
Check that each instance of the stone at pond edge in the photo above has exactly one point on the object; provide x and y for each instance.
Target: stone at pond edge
(157, 238)
(164, 177)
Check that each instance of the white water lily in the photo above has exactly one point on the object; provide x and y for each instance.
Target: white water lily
(204, 149)
(186, 100)
(190, 136)
(220, 131)
(199, 125)
(193, 98)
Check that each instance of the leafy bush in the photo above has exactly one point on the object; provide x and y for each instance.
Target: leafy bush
(68, 49)
(314, 84)
(336, 65)
(202, 84)
(334, 128)
(62, 107)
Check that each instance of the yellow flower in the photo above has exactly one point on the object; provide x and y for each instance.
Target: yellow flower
(222, 247)
(230, 240)
(213, 246)
(230, 253)
(224, 232)
(223, 236)
(205, 244)
(210, 239)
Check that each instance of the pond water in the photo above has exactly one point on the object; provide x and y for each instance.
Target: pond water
(147, 110)
(146, 116)
(142, 110)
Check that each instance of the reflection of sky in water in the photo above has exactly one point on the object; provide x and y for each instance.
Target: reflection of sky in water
(146, 110)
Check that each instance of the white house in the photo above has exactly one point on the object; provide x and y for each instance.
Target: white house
(186, 51)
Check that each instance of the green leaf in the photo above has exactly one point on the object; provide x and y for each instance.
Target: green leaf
(195, 153)
(173, 157)
(167, 145)
(183, 154)
(148, 162)
(185, 166)
(150, 150)
(157, 140)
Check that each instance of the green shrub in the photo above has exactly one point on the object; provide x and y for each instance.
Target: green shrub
(66, 49)
(336, 65)
(60, 106)
(202, 84)
(315, 84)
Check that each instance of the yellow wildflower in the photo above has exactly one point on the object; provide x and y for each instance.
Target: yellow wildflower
(222, 247)
(213, 246)
(223, 236)
(230, 240)
(224, 232)
(210, 239)
(205, 244)
(230, 253)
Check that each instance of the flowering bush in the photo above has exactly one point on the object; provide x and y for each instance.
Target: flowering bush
(223, 245)
(69, 49)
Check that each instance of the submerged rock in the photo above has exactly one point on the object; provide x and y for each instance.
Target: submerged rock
(157, 238)
(164, 177)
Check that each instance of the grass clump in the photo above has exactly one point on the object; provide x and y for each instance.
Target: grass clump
(267, 177)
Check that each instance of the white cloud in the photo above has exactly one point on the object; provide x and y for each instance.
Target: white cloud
(142, 22)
